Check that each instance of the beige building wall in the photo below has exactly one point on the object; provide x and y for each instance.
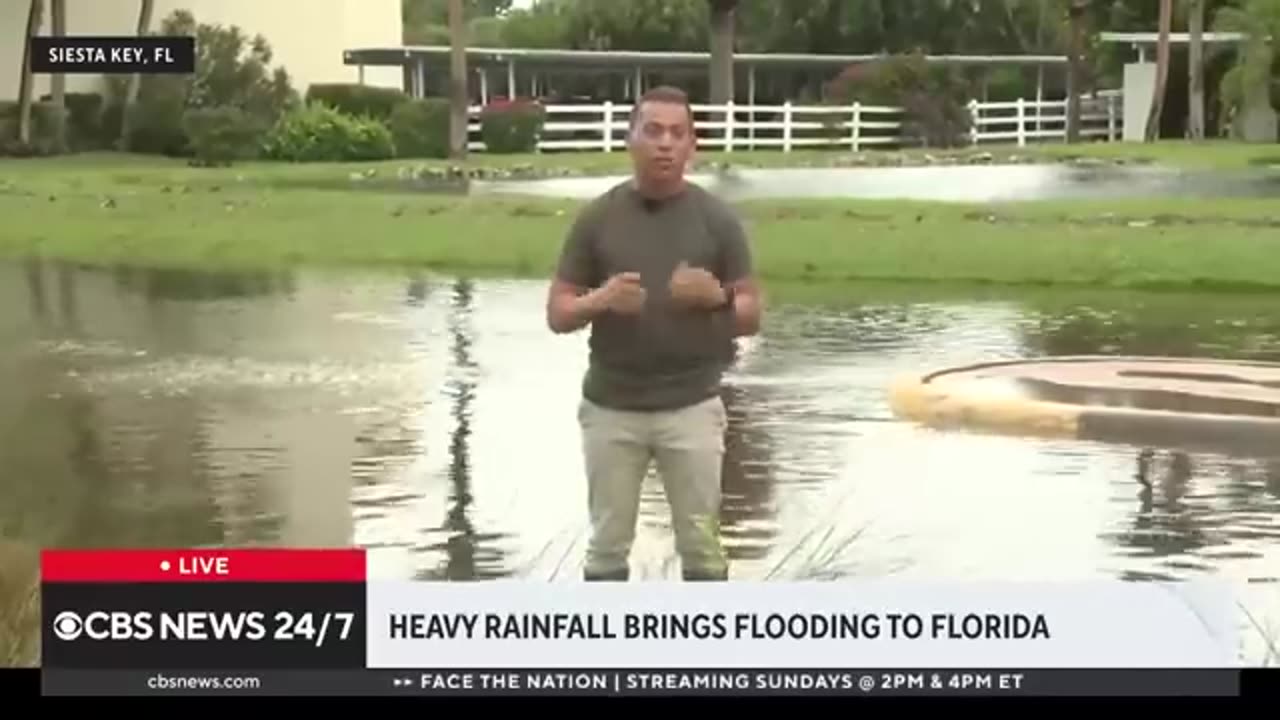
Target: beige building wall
(307, 36)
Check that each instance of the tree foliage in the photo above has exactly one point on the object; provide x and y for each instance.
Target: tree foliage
(233, 69)
(1256, 64)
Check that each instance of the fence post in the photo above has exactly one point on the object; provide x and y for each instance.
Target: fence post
(728, 126)
(608, 126)
(786, 126)
(856, 131)
(1022, 122)
(973, 117)
(1111, 117)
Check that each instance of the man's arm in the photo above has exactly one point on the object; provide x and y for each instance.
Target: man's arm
(571, 307)
(572, 301)
(738, 277)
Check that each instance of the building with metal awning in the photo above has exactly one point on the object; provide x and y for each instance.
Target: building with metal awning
(623, 75)
(1257, 122)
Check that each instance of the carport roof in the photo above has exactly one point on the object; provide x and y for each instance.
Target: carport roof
(587, 59)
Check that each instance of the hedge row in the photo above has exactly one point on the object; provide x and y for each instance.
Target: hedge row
(336, 122)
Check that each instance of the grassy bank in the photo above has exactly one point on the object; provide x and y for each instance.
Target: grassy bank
(19, 606)
(144, 210)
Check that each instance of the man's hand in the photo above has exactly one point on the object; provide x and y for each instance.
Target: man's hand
(695, 288)
(570, 307)
(622, 294)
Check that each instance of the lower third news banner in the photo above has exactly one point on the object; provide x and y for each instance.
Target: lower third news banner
(309, 622)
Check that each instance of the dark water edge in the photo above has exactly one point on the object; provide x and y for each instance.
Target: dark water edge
(431, 419)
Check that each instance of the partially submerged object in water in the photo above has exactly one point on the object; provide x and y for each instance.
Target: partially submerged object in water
(1190, 403)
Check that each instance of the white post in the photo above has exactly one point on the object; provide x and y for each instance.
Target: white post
(728, 126)
(856, 131)
(786, 126)
(1111, 117)
(512, 91)
(1039, 98)
(608, 126)
(974, 116)
(1022, 122)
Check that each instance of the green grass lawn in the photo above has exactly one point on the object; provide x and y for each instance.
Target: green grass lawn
(122, 209)
(1206, 155)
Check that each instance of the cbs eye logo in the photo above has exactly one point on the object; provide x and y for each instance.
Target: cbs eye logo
(68, 625)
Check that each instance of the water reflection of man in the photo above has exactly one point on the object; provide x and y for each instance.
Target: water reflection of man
(662, 271)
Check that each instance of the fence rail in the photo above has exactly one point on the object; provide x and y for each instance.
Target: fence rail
(729, 127)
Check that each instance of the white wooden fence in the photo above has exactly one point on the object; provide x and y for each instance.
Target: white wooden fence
(787, 127)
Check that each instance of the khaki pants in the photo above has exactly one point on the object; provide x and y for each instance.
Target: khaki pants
(687, 446)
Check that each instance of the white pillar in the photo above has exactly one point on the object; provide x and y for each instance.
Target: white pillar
(1139, 87)
(1039, 97)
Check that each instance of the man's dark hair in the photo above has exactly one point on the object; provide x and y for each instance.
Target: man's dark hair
(667, 94)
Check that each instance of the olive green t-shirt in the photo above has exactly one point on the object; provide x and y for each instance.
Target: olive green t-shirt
(666, 357)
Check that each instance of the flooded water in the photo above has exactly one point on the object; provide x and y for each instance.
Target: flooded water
(432, 421)
(959, 183)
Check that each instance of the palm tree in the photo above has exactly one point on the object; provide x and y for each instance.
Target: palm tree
(1195, 70)
(58, 82)
(145, 11)
(1076, 10)
(458, 96)
(35, 18)
(721, 71)
(1162, 70)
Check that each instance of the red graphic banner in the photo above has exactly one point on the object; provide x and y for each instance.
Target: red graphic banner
(205, 565)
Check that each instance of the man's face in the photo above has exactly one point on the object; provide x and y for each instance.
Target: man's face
(662, 141)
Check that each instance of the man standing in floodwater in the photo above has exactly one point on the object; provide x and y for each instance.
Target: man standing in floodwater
(662, 272)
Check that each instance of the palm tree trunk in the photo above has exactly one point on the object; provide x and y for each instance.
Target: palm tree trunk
(458, 96)
(58, 82)
(721, 71)
(35, 18)
(135, 80)
(1195, 83)
(1075, 71)
(1162, 70)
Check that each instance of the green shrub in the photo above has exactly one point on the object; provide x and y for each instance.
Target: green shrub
(47, 125)
(232, 69)
(357, 100)
(155, 122)
(934, 98)
(85, 121)
(319, 133)
(420, 128)
(511, 126)
(222, 135)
